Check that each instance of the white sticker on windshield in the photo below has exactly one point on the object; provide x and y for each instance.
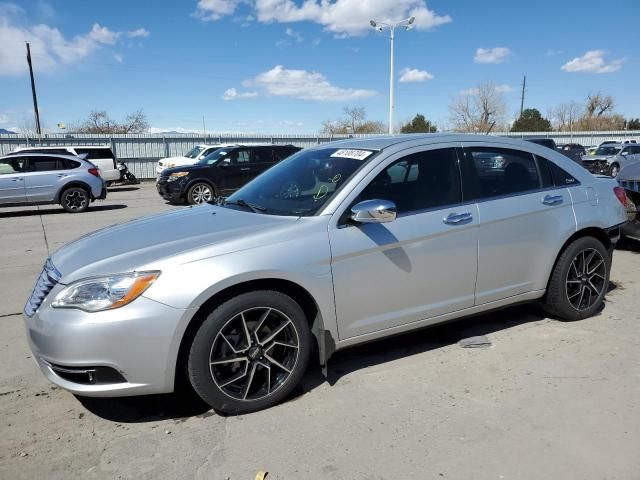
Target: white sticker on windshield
(354, 154)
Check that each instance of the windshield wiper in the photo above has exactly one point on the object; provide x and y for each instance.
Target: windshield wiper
(241, 203)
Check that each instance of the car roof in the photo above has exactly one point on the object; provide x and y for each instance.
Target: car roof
(386, 141)
(59, 147)
(69, 156)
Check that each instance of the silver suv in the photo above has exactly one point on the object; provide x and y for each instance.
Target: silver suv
(37, 179)
(610, 158)
(337, 245)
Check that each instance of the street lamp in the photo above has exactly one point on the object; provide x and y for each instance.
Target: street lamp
(381, 26)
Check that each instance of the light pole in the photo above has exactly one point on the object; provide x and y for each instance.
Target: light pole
(407, 23)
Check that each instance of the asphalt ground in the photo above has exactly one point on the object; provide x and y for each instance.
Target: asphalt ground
(547, 399)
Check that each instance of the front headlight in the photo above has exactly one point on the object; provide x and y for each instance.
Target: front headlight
(105, 293)
(171, 165)
(176, 175)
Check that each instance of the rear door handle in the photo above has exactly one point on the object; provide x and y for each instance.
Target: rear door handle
(552, 199)
(62, 175)
(458, 218)
(18, 179)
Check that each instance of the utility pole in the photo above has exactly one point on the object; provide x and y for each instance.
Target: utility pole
(524, 83)
(204, 130)
(33, 91)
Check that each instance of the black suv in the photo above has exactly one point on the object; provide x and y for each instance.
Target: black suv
(221, 172)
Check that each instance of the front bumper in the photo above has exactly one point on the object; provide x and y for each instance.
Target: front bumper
(598, 167)
(171, 191)
(136, 345)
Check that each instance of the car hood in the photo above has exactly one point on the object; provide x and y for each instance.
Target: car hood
(164, 161)
(185, 168)
(597, 157)
(183, 235)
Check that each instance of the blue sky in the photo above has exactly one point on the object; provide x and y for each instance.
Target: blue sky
(285, 66)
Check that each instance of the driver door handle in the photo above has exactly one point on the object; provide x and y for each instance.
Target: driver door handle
(458, 218)
(17, 179)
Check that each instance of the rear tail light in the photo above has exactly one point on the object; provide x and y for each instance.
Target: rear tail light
(621, 195)
(95, 172)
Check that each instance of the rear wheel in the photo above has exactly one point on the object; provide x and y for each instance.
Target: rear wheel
(199, 193)
(75, 199)
(250, 352)
(579, 280)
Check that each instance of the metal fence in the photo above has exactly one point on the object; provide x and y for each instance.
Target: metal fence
(141, 152)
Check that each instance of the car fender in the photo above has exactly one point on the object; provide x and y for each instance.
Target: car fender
(73, 183)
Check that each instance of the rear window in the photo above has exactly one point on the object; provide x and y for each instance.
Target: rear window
(552, 174)
(95, 153)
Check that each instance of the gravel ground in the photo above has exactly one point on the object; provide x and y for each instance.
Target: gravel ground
(546, 400)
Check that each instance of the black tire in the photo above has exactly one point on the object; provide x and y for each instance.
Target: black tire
(132, 179)
(222, 335)
(570, 283)
(75, 199)
(196, 194)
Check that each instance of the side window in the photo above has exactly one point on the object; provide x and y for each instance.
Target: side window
(559, 176)
(239, 157)
(262, 155)
(419, 181)
(10, 166)
(45, 164)
(501, 171)
(71, 164)
(95, 153)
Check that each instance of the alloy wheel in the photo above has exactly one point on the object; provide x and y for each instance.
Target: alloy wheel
(586, 279)
(201, 193)
(76, 200)
(254, 353)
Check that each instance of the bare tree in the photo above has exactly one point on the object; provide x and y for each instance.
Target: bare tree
(355, 116)
(354, 122)
(479, 110)
(99, 121)
(598, 104)
(566, 115)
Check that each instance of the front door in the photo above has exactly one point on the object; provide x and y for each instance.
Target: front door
(419, 266)
(235, 170)
(524, 220)
(12, 180)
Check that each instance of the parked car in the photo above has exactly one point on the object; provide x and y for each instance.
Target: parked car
(624, 141)
(193, 156)
(100, 155)
(220, 172)
(610, 158)
(40, 179)
(340, 244)
(629, 179)
(550, 143)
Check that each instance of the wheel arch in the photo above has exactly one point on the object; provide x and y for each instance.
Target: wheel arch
(600, 234)
(324, 340)
(74, 183)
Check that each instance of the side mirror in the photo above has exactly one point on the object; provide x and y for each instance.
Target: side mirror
(624, 153)
(225, 162)
(374, 211)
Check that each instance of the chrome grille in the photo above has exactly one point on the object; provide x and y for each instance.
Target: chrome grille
(48, 278)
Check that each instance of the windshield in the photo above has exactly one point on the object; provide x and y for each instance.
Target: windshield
(303, 183)
(213, 156)
(194, 152)
(606, 150)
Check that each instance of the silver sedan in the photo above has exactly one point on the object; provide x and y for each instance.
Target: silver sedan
(340, 244)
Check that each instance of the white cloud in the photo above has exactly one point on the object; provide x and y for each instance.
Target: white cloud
(103, 35)
(233, 94)
(491, 55)
(118, 58)
(503, 88)
(49, 47)
(593, 62)
(4, 118)
(293, 34)
(342, 17)
(408, 75)
(140, 32)
(304, 85)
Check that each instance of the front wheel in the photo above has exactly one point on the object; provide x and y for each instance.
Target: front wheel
(579, 280)
(199, 193)
(75, 199)
(250, 352)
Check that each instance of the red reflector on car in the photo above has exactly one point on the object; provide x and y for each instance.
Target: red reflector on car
(621, 195)
(94, 171)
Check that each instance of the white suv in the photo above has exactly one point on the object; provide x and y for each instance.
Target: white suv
(192, 157)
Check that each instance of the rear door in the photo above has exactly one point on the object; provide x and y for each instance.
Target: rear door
(523, 220)
(44, 176)
(12, 180)
(262, 158)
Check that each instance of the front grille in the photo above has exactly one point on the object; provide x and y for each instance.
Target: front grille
(48, 279)
(596, 166)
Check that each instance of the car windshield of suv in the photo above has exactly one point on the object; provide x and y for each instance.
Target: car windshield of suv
(194, 152)
(608, 150)
(213, 156)
(303, 183)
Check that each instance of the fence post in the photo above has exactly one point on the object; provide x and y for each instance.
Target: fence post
(166, 146)
(113, 147)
